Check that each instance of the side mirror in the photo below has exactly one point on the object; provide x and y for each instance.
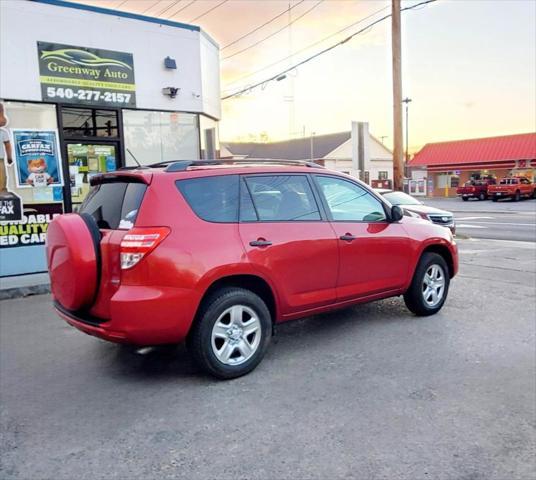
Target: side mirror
(396, 213)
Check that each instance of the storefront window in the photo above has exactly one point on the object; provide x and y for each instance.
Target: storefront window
(210, 145)
(88, 122)
(32, 193)
(383, 175)
(154, 137)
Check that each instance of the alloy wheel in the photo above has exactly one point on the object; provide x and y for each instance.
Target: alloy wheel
(433, 285)
(236, 335)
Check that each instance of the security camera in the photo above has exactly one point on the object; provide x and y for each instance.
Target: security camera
(171, 92)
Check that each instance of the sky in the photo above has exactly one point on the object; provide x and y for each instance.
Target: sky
(469, 66)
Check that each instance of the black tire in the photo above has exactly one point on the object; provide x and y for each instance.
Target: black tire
(414, 297)
(517, 196)
(465, 199)
(200, 339)
(494, 199)
(482, 196)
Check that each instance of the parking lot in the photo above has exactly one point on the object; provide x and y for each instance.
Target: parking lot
(368, 392)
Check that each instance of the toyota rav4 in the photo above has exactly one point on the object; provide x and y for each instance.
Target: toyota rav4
(216, 253)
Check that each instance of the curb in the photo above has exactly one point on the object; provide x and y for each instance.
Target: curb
(21, 292)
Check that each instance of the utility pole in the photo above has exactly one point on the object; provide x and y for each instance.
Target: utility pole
(311, 146)
(398, 161)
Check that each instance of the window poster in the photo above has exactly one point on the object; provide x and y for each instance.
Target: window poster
(10, 202)
(37, 158)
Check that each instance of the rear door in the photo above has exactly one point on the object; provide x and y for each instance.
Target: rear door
(288, 240)
(374, 253)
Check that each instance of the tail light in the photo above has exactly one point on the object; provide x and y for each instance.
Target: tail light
(138, 243)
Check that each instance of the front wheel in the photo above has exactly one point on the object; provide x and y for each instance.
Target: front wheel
(482, 196)
(429, 287)
(517, 196)
(231, 333)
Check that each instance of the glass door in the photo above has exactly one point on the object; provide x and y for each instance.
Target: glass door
(85, 161)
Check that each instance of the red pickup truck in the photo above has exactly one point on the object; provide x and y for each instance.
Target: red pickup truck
(475, 189)
(512, 187)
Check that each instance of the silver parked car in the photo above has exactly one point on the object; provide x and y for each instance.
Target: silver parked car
(415, 207)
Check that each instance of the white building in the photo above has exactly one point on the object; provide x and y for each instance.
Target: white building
(97, 87)
(338, 151)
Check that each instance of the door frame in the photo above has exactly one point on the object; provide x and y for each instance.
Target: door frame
(65, 140)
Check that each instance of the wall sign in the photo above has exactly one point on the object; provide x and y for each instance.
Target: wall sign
(37, 158)
(86, 76)
(32, 229)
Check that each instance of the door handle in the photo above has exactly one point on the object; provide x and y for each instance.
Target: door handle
(260, 243)
(347, 237)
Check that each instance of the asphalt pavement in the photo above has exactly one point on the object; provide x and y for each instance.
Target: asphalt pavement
(369, 392)
(503, 220)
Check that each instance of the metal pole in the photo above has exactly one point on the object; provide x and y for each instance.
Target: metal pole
(398, 161)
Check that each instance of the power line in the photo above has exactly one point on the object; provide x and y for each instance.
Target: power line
(281, 74)
(309, 46)
(274, 33)
(279, 15)
(181, 9)
(208, 11)
(165, 9)
(149, 8)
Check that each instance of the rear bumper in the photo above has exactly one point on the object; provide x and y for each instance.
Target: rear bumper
(140, 316)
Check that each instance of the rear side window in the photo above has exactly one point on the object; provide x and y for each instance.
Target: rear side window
(114, 205)
(213, 199)
(282, 198)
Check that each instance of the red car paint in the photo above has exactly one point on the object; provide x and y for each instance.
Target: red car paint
(307, 269)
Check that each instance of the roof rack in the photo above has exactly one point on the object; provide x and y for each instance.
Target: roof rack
(181, 165)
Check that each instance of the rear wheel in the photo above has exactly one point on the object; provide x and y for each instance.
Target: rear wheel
(482, 196)
(429, 287)
(231, 334)
(517, 196)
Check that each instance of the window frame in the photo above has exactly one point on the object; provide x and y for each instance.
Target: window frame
(362, 187)
(312, 186)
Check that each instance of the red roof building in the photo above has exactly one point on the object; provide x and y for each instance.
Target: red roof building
(445, 165)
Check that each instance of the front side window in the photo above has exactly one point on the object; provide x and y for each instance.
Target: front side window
(282, 198)
(349, 202)
(214, 199)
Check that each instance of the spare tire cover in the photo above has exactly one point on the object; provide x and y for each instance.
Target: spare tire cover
(73, 256)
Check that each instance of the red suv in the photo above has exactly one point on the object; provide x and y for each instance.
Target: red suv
(216, 253)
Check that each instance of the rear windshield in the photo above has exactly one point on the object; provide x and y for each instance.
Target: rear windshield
(114, 205)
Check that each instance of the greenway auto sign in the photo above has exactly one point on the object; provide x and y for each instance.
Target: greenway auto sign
(86, 76)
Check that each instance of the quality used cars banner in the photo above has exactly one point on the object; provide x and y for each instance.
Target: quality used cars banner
(32, 229)
(87, 76)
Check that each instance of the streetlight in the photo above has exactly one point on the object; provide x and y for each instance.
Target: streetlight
(406, 101)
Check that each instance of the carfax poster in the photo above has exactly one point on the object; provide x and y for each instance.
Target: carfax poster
(37, 158)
